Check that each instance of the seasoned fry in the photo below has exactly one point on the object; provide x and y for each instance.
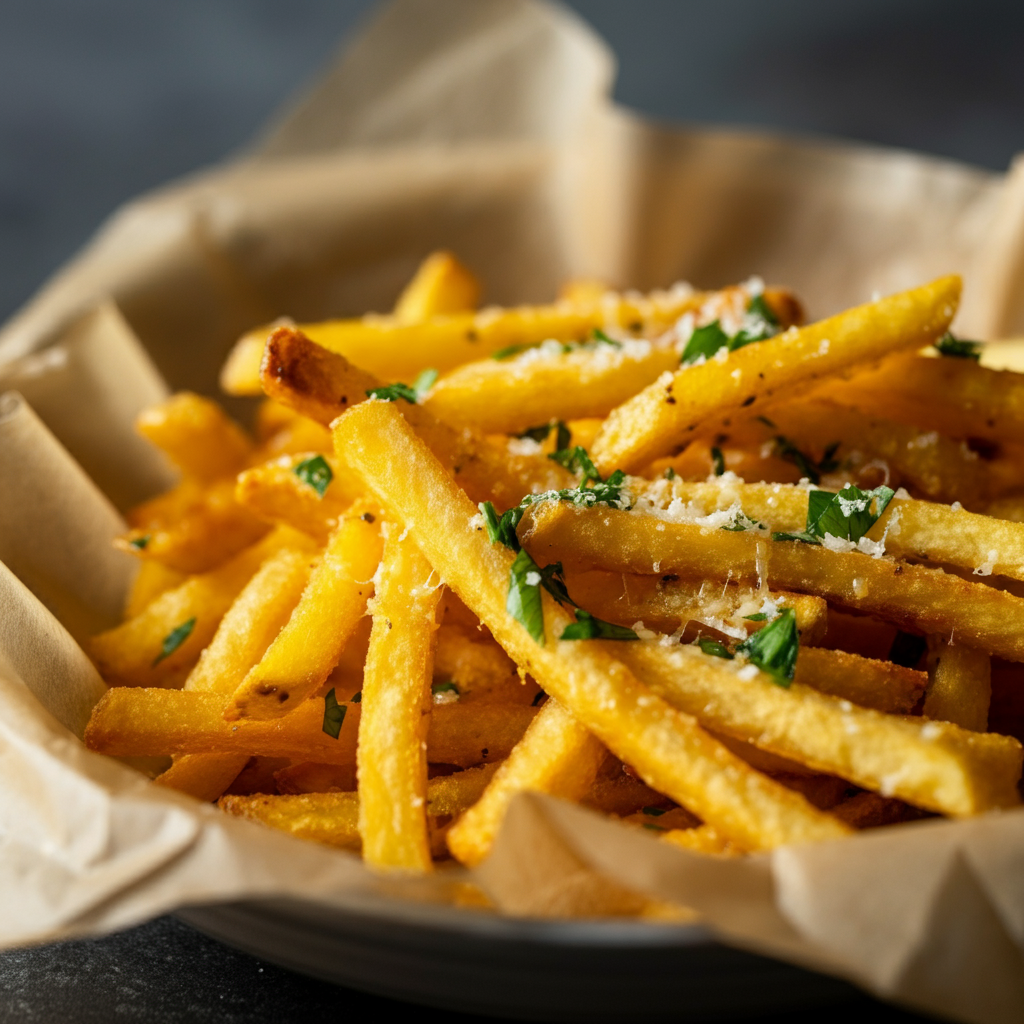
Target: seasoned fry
(301, 657)
(152, 580)
(913, 597)
(169, 634)
(937, 766)
(668, 749)
(959, 684)
(323, 385)
(865, 681)
(391, 756)
(557, 755)
(196, 435)
(139, 722)
(440, 286)
(670, 412)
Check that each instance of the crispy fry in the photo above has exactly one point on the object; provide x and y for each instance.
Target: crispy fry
(913, 597)
(196, 435)
(959, 684)
(133, 654)
(668, 749)
(672, 411)
(557, 755)
(152, 580)
(865, 681)
(323, 385)
(138, 722)
(276, 493)
(441, 285)
(937, 766)
(391, 757)
(478, 667)
(301, 657)
(204, 776)
(210, 532)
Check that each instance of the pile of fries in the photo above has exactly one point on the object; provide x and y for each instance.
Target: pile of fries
(734, 580)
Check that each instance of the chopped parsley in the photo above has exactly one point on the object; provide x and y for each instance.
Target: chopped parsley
(654, 812)
(958, 348)
(523, 601)
(714, 648)
(393, 392)
(542, 432)
(785, 449)
(509, 351)
(316, 472)
(847, 515)
(139, 543)
(334, 715)
(601, 338)
(717, 461)
(445, 693)
(502, 530)
(774, 649)
(759, 324)
(756, 617)
(670, 473)
(175, 639)
(741, 521)
(357, 697)
(576, 460)
(587, 627)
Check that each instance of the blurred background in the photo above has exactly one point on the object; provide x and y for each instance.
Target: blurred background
(103, 99)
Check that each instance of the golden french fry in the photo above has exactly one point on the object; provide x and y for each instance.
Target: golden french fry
(391, 756)
(385, 346)
(478, 667)
(152, 580)
(204, 776)
(169, 507)
(557, 755)
(865, 681)
(140, 722)
(672, 411)
(300, 437)
(934, 765)
(301, 657)
(213, 530)
(168, 635)
(913, 597)
(441, 285)
(322, 385)
(275, 492)
(703, 839)
(619, 793)
(196, 435)
(959, 684)
(669, 750)
(667, 603)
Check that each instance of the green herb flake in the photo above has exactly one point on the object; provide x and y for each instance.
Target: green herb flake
(670, 473)
(502, 529)
(523, 601)
(393, 392)
(508, 352)
(803, 538)
(562, 436)
(334, 715)
(848, 514)
(316, 472)
(446, 687)
(742, 522)
(357, 697)
(175, 639)
(576, 460)
(587, 627)
(717, 461)
(603, 339)
(424, 382)
(774, 649)
(654, 812)
(714, 648)
(705, 341)
(139, 543)
(541, 433)
(958, 348)
(756, 617)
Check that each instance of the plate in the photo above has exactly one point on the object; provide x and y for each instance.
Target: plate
(521, 968)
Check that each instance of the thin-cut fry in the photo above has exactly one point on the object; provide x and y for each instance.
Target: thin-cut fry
(478, 667)
(959, 684)
(669, 750)
(865, 681)
(168, 635)
(152, 580)
(441, 285)
(671, 411)
(322, 385)
(140, 722)
(934, 765)
(557, 755)
(196, 435)
(391, 757)
(913, 597)
(301, 657)
(204, 776)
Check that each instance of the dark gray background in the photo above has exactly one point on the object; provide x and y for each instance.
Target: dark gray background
(102, 99)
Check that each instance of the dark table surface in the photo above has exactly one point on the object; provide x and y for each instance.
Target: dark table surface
(102, 99)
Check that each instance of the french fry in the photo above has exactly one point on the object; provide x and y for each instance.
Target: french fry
(196, 435)
(959, 684)
(168, 635)
(672, 411)
(937, 766)
(666, 603)
(152, 580)
(880, 685)
(301, 657)
(1009, 507)
(915, 598)
(301, 436)
(276, 493)
(669, 750)
(440, 286)
(557, 755)
(204, 776)
(212, 530)
(385, 346)
(333, 818)
(619, 793)
(479, 668)
(536, 386)
(322, 385)
(168, 507)
(703, 839)
(391, 756)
